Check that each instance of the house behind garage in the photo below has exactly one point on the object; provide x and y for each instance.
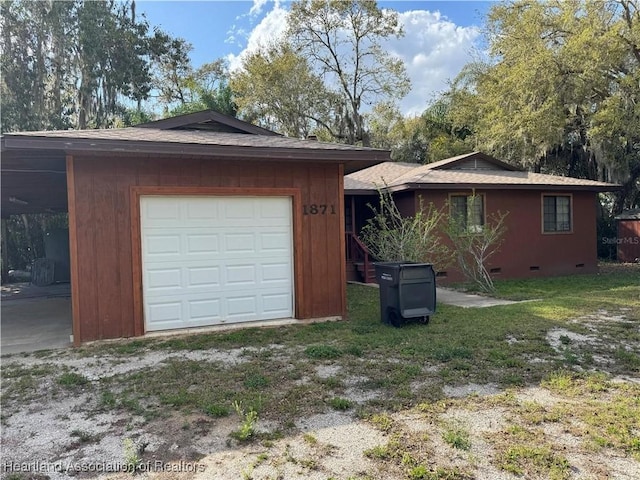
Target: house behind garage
(192, 221)
(551, 221)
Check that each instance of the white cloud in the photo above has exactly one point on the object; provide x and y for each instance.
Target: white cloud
(434, 50)
(270, 29)
(256, 8)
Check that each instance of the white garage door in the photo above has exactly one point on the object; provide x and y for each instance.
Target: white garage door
(213, 260)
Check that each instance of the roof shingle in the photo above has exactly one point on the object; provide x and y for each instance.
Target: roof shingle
(402, 176)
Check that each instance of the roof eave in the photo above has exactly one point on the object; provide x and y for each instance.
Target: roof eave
(505, 186)
(370, 157)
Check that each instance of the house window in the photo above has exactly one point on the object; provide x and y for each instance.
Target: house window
(469, 210)
(556, 213)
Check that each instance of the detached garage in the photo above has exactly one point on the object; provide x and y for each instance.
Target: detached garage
(193, 221)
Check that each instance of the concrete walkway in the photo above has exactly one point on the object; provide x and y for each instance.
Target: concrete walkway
(467, 300)
(449, 296)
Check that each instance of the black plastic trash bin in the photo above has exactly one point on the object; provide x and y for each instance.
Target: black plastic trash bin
(407, 291)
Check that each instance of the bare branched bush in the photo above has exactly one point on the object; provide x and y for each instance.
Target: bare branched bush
(473, 245)
(392, 237)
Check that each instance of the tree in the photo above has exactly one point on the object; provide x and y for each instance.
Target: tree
(422, 139)
(276, 88)
(74, 63)
(560, 92)
(207, 87)
(342, 40)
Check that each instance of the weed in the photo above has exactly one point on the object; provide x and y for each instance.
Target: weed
(535, 461)
(332, 383)
(83, 436)
(560, 382)
(383, 421)
(457, 436)
(247, 424)
(323, 352)
(132, 458)
(310, 439)
(393, 449)
(627, 359)
(256, 381)
(338, 403)
(215, 410)
(108, 399)
(72, 379)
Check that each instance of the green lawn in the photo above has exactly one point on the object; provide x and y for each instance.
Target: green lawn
(574, 338)
(505, 345)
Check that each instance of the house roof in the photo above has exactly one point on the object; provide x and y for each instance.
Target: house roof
(629, 215)
(34, 168)
(473, 170)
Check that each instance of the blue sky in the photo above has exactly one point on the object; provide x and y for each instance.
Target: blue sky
(440, 36)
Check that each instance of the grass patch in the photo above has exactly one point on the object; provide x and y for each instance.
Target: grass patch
(72, 379)
(325, 352)
(457, 436)
(338, 403)
(535, 461)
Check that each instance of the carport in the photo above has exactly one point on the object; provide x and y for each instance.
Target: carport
(33, 318)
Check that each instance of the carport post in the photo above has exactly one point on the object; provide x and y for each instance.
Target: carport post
(5, 254)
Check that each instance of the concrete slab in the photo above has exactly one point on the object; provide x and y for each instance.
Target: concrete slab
(458, 299)
(467, 300)
(32, 324)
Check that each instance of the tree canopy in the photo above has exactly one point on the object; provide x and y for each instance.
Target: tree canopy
(277, 89)
(560, 92)
(342, 41)
(74, 64)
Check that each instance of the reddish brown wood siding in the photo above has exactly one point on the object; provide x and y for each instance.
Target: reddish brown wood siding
(526, 250)
(628, 240)
(108, 267)
(525, 246)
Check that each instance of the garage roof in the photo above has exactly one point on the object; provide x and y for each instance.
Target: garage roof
(34, 171)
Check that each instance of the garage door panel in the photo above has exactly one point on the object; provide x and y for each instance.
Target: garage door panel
(241, 306)
(163, 279)
(202, 243)
(239, 208)
(276, 303)
(161, 210)
(167, 312)
(162, 245)
(236, 275)
(211, 260)
(204, 309)
(203, 276)
(275, 273)
(240, 243)
(198, 209)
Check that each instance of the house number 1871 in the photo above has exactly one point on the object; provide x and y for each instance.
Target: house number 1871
(315, 209)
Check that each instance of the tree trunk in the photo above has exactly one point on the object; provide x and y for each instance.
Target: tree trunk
(27, 234)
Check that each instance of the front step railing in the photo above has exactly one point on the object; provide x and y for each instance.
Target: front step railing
(359, 255)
